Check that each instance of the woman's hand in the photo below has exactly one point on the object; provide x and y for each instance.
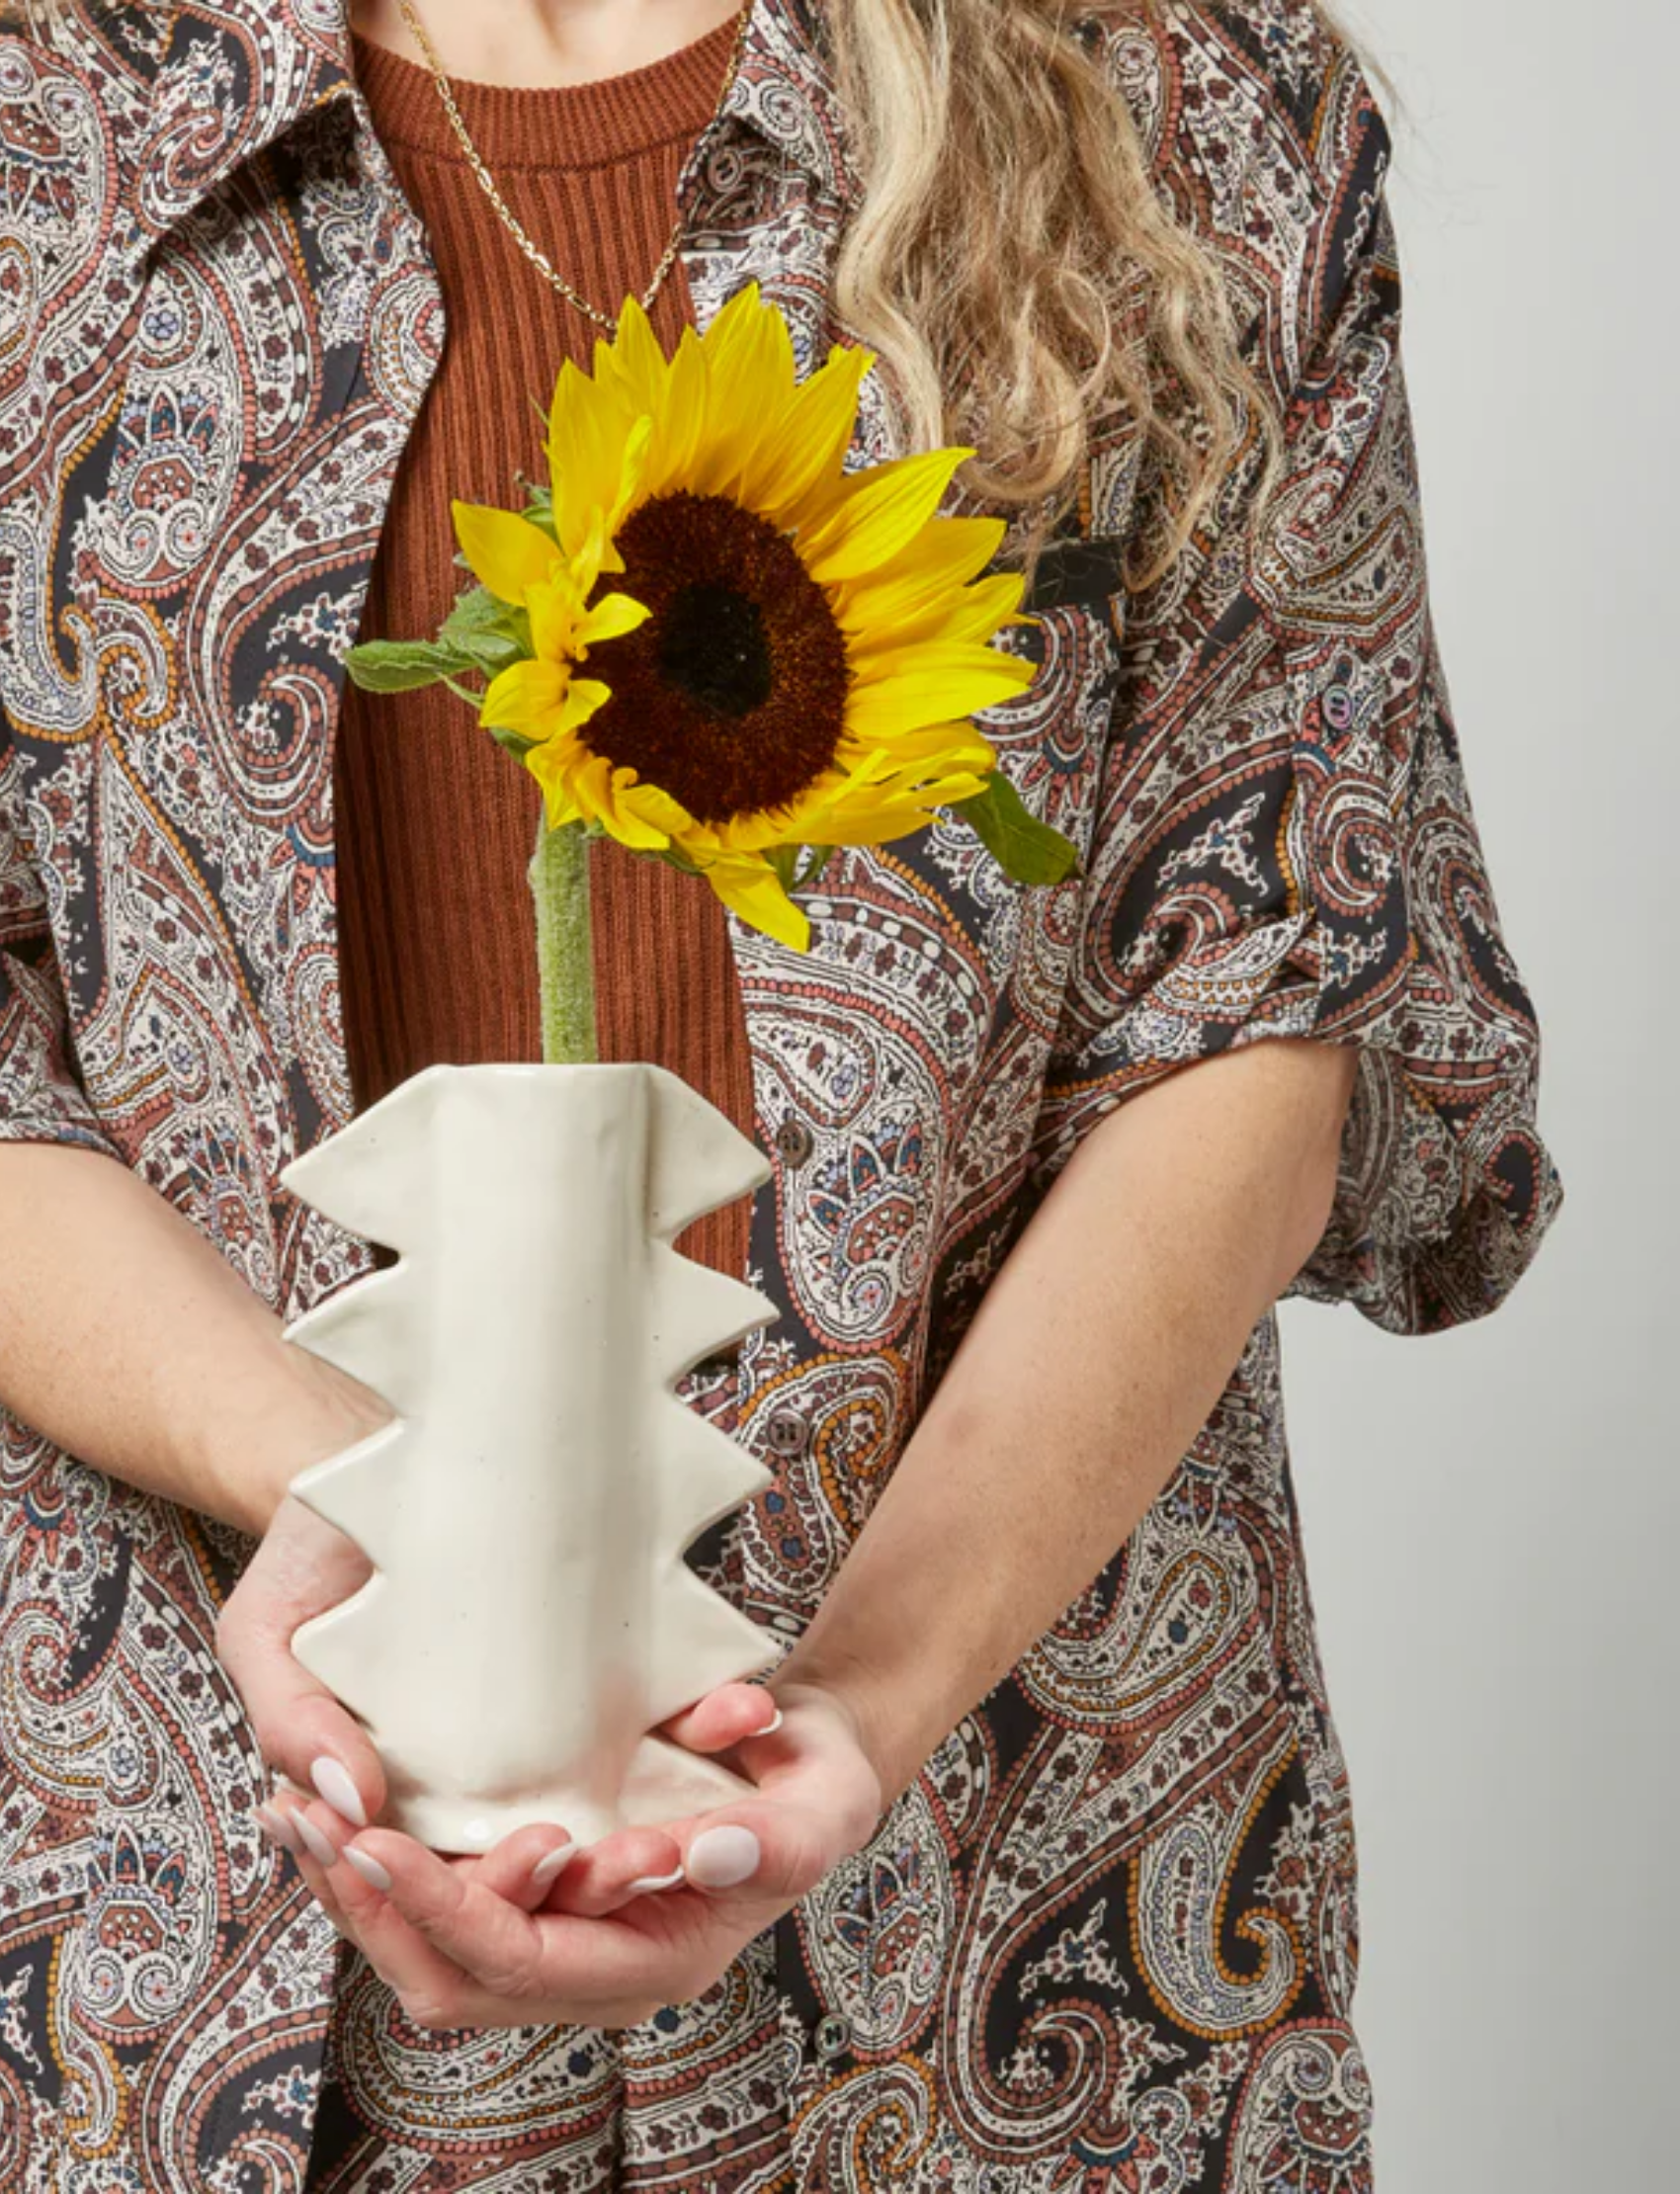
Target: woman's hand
(538, 1933)
(302, 1566)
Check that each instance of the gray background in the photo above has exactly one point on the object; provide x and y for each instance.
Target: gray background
(1491, 1514)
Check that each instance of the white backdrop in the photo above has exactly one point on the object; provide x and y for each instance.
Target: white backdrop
(1491, 1514)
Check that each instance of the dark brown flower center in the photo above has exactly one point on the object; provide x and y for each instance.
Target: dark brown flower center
(731, 693)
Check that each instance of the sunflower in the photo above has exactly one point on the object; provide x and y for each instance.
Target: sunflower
(795, 653)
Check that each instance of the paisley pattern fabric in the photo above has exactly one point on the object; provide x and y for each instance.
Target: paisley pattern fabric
(1108, 1940)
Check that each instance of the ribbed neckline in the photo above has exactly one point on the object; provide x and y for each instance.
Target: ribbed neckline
(559, 125)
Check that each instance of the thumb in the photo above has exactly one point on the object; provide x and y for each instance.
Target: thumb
(302, 1567)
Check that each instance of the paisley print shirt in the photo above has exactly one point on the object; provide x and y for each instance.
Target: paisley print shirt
(1108, 1939)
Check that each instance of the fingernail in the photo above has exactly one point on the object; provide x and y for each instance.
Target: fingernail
(656, 1880)
(545, 1871)
(320, 1846)
(775, 1722)
(719, 1858)
(368, 1867)
(333, 1783)
(277, 1827)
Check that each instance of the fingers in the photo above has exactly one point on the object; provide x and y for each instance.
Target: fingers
(770, 1851)
(525, 1865)
(510, 1957)
(724, 1716)
(645, 1862)
(726, 1856)
(350, 1891)
(315, 1851)
(302, 1567)
(467, 1942)
(630, 1863)
(313, 1832)
(763, 1852)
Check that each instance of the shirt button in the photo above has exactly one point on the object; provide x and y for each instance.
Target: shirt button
(794, 1141)
(786, 1432)
(834, 2035)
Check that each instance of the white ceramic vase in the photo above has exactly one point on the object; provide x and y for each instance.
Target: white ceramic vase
(531, 1618)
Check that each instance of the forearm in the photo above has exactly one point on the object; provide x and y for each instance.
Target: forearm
(1097, 1355)
(128, 1340)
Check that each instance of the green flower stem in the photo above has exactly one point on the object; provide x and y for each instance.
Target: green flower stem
(566, 972)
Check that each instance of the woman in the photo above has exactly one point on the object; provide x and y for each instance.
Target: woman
(1050, 1880)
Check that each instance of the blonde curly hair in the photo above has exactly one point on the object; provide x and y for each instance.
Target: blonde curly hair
(1018, 274)
(1014, 268)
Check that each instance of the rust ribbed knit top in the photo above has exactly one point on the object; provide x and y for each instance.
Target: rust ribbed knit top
(435, 822)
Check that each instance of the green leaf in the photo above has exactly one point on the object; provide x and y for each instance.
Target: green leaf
(797, 865)
(516, 742)
(785, 860)
(674, 857)
(1030, 851)
(395, 666)
(539, 508)
(485, 632)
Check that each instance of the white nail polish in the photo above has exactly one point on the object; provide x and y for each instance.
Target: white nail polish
(646, 1882)
(368, 1867)
(320, 1846)
(546, 1869)
(277, 1824)
(332, 1781)
(721, 1858)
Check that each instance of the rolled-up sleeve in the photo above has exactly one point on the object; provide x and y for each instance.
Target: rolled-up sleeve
(1285, 844)
(41, 1100)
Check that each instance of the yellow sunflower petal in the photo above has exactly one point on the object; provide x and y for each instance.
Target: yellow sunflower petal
(870, 805)
(526, 697)
(945, 555)
(552, 605)
(750, 832)
(872, 819)
(795, 478)
(584, 449)
(629, 492)
(592, 789)
(770, 472)
(583, 697)
(754, 893)
(624, 813)
(745, 389)
(658, 808)
(724, 415)
(600, 790)
(552, 766)
(679, 428)
(931, 684)
(949, 745)
(875, 828)
(638, 363)
(885, 507)
(971, 612)
(505, 551)
(597, 553)
(612, 615)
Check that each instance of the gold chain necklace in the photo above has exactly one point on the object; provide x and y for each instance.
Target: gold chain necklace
(538, 258)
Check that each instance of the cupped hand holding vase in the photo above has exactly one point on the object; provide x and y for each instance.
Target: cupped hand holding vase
(791, 667)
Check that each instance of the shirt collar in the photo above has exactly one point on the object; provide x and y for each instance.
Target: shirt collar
(235, 75)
